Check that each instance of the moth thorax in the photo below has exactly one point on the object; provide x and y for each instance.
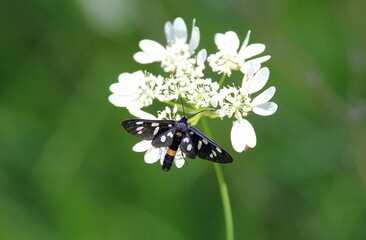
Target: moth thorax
(182, 127)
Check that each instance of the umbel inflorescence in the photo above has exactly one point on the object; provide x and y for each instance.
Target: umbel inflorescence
(183, 77)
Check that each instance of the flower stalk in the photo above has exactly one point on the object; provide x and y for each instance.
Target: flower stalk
(229, 223)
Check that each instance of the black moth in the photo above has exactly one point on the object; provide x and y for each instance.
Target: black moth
(173, 134)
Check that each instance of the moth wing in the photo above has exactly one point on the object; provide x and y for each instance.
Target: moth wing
(145, 128)
(187, 146)
(164, 138)
(208, 149)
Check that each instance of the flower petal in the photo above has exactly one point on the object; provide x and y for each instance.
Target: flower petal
(142, 146)
(127, 88)
(152, 155)
(265, 109)
(120, 89)
(231, 41)
(264, 96)
(151, 51)
(161, 159)
(129, 79)
(258, 60)
(242, 135)
(151, 47)
(259, 80)
(180, 30)
(236, 137)
(120, 101)
(245, 43)
(220, 41)
(250, 65)
(179, 159)
(252, 50)
(201, 56)
(195, 37)
(137, 112)
(169, 33)
(143, 58)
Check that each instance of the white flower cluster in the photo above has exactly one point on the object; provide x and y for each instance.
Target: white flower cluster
(185, 79)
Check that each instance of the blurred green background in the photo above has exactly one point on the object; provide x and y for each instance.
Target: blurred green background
(67, 170)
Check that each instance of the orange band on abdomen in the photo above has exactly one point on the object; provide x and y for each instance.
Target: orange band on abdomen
(171, 152)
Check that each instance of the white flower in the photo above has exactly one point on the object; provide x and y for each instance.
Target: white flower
(135, 90)
(174, 87)
(181, 83)
(124, 92)
(201, 92)
(191, 67)
(237, 102)
(149, 89)
(233, 102)
(176, 53)
(229, 59)
(177, 33)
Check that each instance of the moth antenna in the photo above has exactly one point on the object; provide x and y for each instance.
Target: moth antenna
(185, 161)
(204, 110)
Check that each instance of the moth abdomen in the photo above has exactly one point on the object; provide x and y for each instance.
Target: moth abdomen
(171, 151)
(168, 162)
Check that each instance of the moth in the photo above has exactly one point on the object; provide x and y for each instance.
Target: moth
(174, 134)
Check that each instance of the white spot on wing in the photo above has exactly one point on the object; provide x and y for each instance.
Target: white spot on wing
(170, 134)
(199, 145)
(139, 128)
(189, 147)
(139, 132)
(156, 130)
(163, 138)
(219, 150)
(154, 124)
(214, 153)
(139, 123)
(211, 156)
(186, 139)
(204, 141)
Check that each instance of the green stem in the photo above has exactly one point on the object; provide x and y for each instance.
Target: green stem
(225, 202)
(223, 191)
(222, 80)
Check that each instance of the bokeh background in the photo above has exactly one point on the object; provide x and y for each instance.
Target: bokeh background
(67, 170)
